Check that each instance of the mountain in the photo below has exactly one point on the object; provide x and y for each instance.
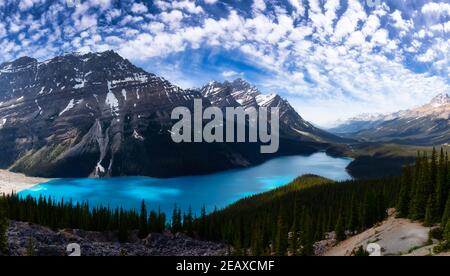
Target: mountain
(357, 123)
(425, 125)
(241, 93)
(97, 114)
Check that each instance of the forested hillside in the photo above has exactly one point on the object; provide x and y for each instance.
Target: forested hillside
(425, 192)
(285, 221)
(291, 218)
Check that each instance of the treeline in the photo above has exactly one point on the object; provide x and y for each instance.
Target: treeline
(285, 221)
(61, 215)
(289, 220)
(425, 191)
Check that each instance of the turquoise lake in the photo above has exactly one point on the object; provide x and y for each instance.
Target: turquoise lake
(213, 190)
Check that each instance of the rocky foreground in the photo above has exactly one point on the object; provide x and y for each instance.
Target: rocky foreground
(46, 242)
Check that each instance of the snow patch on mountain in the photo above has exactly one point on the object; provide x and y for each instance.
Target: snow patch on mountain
(69, 106)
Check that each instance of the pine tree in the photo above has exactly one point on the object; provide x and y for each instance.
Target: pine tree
(428, 220)
(3, 229)
(422, 191)
(446, 214)
(281, 238)
(446, 233)
(202, 227)
(339, 229)
(188, 223)
(404, 200)
(307, 235)
(361, 252)
(176, 220)
(143, 222)
(353, 216)
(257, 248)
(123, 227)
(433, 170)
(237, 245)
(441, 183)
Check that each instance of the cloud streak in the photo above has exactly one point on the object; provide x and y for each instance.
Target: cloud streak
(318, 54)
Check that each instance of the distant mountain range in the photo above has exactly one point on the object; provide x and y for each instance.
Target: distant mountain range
(98, 115)
(425, 125)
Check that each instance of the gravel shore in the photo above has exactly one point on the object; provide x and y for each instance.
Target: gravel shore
(15, 182)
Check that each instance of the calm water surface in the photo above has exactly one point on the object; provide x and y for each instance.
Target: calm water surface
(213, 190)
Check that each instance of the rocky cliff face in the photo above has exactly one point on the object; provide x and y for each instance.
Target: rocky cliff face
(99, 115)
(241, 93)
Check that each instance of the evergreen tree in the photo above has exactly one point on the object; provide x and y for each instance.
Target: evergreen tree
(353, 216)
(188, 223)
(428, 221)
(281, 238)
(143, 222)
(339, 229)
(446, 233)
(307, 235)
(237, 245)
(446, 214)
(257, 247)
(123, 227)
(404, 200)
(441, 183)
(176, 220)
(361, 252)
(3, 229)
(293, 241)
(433, 170)
(422, 192)
(202, 227)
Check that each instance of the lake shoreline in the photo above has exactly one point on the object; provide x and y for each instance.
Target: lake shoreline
(11, 182)
(192, 192)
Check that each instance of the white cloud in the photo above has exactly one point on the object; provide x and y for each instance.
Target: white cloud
(346, 55)
(231, 74)
(436, 9)
(298, 6)
(139, 8)
(400, 23)
(259, 5)
(188, 6)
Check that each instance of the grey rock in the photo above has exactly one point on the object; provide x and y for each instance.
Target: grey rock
(47, 242)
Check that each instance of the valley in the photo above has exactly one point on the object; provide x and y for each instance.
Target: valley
(97, 115)
(103, 127)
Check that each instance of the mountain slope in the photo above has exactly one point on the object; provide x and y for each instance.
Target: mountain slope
(99, 115)
(241, 93)
(425, 125)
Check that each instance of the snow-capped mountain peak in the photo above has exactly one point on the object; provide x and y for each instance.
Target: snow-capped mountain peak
(428, 124)
(441, 99)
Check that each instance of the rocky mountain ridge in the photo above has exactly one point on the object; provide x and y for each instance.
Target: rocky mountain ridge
(98, 115)
(428, 124)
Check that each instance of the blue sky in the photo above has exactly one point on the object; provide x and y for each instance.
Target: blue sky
(331, 59)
